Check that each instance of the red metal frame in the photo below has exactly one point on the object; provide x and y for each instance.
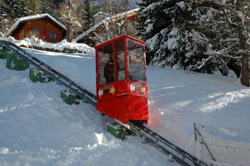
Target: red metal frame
(119, 38)
(126, 99)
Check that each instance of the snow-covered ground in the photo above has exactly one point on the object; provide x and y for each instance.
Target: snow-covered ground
(37, 128)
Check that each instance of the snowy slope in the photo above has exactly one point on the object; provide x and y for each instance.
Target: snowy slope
(172, 92)
(180, 98)
(36, 127)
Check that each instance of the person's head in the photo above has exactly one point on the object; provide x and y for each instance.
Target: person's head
(110, 58)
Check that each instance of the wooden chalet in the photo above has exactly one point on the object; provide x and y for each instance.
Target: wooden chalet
(106, 27)
(43, 26)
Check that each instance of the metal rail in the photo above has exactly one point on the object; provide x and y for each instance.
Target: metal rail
(176, 153)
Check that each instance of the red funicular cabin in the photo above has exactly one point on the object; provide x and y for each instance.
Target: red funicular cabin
(121, 82)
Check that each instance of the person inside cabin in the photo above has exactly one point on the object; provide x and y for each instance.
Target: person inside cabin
(109, 70)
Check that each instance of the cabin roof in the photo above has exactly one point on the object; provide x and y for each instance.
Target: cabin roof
(93, 28)
(120, 38)
(34, 17)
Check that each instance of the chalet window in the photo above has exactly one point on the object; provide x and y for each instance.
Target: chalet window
(35, 31)
(52, 35)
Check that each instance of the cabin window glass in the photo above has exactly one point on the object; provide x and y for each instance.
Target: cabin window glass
(35, 31)
(54, 35)
(50, 34)
(137, 71)
(120, 57)
(105, 65)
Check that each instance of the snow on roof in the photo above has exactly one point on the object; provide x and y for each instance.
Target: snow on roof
(101, 13)
(34, 17)
(102, 22)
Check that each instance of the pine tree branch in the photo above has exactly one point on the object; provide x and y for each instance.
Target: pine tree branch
(225, 55)
(230, 40)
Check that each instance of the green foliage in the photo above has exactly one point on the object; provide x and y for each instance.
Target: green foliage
(50, 7)
(143, 16)
(18, 8)
(87, 15)
(11, 10)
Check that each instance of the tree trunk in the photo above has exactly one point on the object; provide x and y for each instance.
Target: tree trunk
(244, 56)
(244, 70)
(69, 32)
(244, 60)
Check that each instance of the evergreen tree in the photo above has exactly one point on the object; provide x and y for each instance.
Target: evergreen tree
(105, 6)
(204, 36)
(9, 8)
(158, 23)
(120, 6)
(142, 22)
(231, 40)
(18, 8)
(33, 7)
(69, 16)
(145, 3)
(49, 6)
(56, 2)
(113, 7)
(87, 15)
(225, 25)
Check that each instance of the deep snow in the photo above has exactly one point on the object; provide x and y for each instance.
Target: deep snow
(37, 128)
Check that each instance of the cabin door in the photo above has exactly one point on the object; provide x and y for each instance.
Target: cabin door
(121, 83)
(112, 70)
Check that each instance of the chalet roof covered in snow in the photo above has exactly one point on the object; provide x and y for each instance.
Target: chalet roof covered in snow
(107, 19)
(34, 17)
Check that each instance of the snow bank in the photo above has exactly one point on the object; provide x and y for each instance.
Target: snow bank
(62, 46)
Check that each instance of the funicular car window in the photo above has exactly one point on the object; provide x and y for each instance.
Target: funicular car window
(105, 64)
(120, 56)
(136, 61)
